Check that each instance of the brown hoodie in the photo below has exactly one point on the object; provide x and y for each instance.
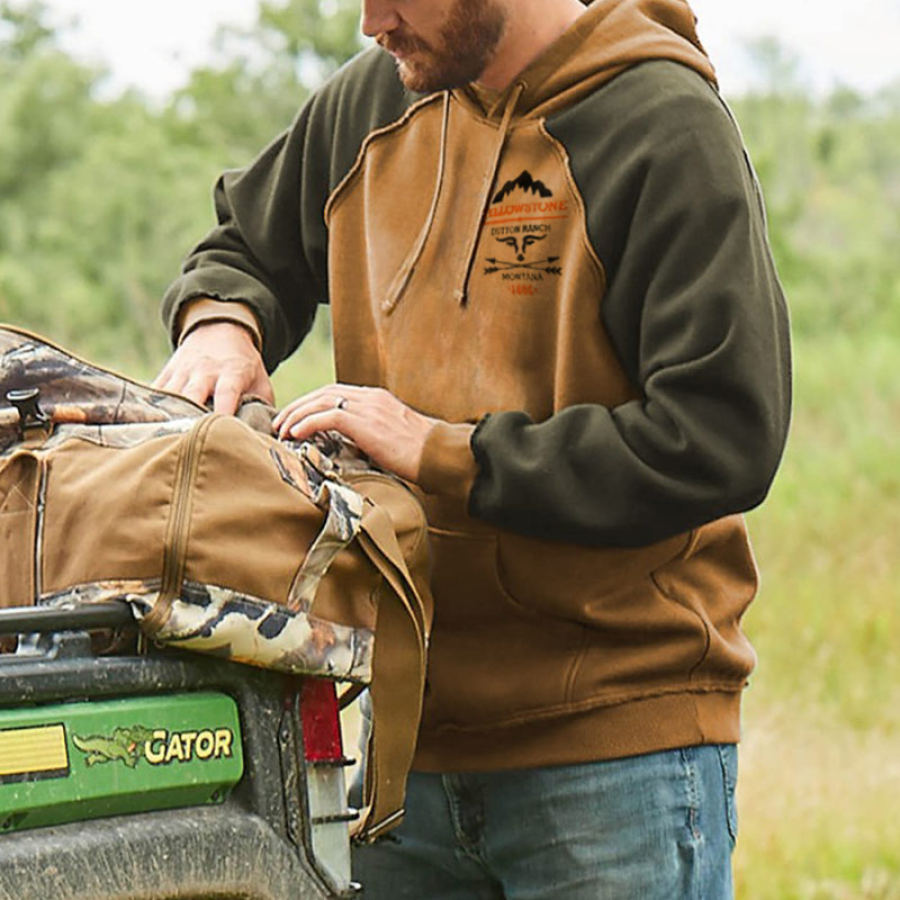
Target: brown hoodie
(581, 272)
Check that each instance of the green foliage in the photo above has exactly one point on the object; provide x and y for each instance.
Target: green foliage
(268, 72)
(323, 32)
(44, 100)
(22, 30)
(102, 198)
(831, 176)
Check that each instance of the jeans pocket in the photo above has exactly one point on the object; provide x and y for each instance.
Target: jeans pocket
(728, 758)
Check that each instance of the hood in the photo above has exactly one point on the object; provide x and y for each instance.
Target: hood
(608, 38)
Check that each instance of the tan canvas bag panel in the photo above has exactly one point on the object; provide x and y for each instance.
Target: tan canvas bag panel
(19, 480)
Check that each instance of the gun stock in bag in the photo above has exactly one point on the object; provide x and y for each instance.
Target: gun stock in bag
(221, 539)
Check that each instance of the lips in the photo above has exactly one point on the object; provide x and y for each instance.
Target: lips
(400, 46)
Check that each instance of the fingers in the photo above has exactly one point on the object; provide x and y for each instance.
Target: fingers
(164, 378)
(302, 429)
(173, 380)
(232, 385)
(262, 387)
(340, 398)
(218, 361)
(227, 393)
(199, 388)
(390, 432)
(303, 419)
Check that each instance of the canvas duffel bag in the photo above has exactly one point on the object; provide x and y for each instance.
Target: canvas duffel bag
(222, 539)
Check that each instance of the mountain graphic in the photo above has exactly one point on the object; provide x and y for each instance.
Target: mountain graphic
(525, 183)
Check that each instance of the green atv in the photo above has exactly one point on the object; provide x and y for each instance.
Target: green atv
(163, 775)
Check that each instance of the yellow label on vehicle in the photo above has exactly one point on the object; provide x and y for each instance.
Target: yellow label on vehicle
(37, 752)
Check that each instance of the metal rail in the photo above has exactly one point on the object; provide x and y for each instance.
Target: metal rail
(38, 619)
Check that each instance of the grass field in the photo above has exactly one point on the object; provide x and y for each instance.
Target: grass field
(820, 781)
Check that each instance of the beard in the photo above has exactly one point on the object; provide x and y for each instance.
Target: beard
(464, 48)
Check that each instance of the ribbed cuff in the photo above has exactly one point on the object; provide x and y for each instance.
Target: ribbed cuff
(205, 310)
(448, 465)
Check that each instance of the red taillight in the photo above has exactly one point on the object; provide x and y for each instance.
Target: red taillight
(325, 786)
(321, 722)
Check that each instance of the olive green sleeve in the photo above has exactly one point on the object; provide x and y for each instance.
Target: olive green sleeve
(695, 312)
(269, 247)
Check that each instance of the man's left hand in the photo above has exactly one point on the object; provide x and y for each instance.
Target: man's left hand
(391, 433)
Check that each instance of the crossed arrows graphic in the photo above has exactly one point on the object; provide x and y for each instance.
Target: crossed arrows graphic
(539, 265)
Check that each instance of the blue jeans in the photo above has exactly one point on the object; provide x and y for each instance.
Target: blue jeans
(654, 827)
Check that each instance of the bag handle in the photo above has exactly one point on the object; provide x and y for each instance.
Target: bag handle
(398, 664)
(342, 523)
(398, 678)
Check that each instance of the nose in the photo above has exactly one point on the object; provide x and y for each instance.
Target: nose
(378, 17)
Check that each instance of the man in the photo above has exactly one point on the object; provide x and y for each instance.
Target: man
(556, 313)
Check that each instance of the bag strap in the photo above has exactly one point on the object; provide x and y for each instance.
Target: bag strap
(398, 664)
(341, 526)
(398, 679)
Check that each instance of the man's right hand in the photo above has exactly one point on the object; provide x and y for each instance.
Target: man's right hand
(217, 360)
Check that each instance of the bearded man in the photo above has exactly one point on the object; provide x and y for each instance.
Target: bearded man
(556, 314)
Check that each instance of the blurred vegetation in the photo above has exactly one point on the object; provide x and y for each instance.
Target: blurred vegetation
(100, 198)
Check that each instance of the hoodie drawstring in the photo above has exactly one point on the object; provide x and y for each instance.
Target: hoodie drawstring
(404, 276)
(461, 293)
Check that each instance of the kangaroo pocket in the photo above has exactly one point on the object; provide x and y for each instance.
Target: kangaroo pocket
(716, 578)
(529, 629)
(575, 582)
(491, 662)
(639, 640)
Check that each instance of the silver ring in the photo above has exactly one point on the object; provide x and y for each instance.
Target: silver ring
(340, 403)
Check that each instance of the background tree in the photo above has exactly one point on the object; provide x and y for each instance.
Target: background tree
(100, 199)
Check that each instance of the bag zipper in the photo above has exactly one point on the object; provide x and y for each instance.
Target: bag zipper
(179, 526)
(38, 576)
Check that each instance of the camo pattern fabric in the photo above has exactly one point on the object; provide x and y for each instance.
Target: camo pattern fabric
(342, 523)
(76, 392)
(119, 436)
(222, 622)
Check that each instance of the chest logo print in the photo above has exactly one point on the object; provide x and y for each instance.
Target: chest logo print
(524, 182)
(518, 223)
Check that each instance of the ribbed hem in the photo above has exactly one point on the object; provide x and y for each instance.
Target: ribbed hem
(448, 465)
(205, 310)
(607, 732)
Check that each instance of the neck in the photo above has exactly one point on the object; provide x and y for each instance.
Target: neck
(531, 27)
